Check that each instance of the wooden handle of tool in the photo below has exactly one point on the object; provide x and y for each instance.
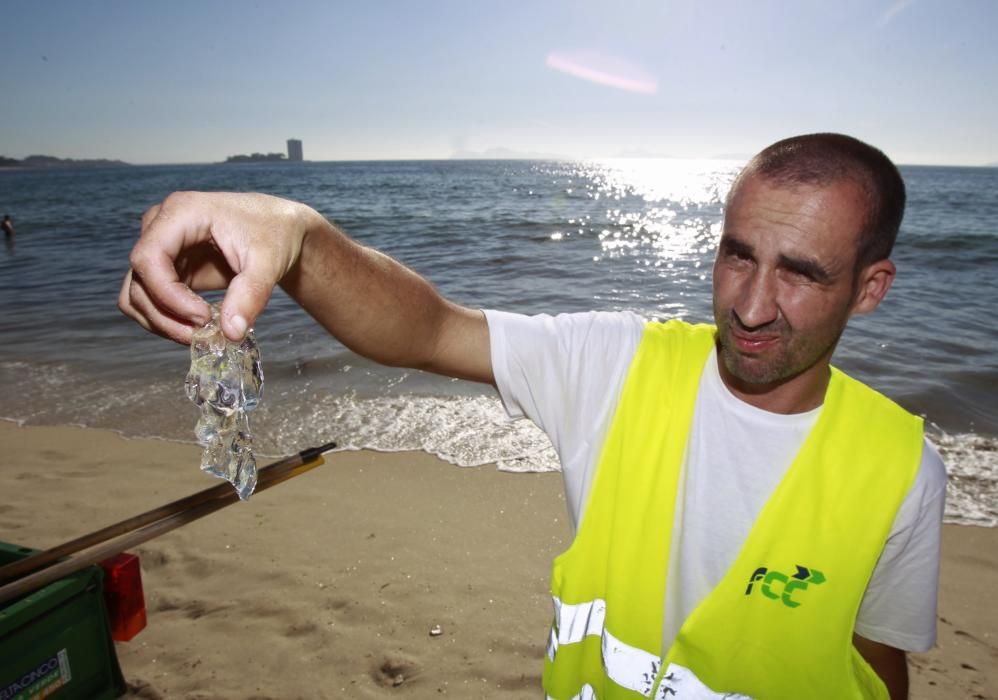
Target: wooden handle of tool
(195, 508)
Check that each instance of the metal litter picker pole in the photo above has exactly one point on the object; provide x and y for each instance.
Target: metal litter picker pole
(128, 533)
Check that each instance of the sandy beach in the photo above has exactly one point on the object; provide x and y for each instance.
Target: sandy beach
(328, 586)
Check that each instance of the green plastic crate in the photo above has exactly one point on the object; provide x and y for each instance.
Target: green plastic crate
(56, 642)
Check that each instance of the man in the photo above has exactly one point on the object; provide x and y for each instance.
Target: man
(751, 523)
(8, 228)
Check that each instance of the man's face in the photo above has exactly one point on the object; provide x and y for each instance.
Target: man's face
(784, 282)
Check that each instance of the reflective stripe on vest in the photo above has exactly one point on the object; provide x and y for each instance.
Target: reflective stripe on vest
(627, 666)
(820, 532)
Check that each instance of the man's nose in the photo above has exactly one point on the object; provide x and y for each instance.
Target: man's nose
(757, 305)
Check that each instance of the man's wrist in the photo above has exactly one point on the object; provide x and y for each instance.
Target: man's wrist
(307, 229)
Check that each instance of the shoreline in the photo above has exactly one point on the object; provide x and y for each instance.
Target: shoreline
(328, 585)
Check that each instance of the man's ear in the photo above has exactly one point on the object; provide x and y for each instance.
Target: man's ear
(872, 284)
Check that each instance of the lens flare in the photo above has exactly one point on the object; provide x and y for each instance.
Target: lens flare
(603, 69)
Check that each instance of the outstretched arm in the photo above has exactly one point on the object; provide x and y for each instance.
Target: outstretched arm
(384, 311)
(248, 244)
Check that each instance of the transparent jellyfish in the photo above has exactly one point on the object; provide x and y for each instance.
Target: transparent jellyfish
(225, 381)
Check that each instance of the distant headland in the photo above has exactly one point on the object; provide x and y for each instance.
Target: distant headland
(294, 155)
(53, 162)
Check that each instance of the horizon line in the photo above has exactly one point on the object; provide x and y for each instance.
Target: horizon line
(483, 158)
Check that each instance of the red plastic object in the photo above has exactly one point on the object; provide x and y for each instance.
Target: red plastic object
(126, 606)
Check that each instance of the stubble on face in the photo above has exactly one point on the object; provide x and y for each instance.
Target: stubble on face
(791, 353)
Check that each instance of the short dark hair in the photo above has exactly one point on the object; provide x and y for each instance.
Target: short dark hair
(821, 159)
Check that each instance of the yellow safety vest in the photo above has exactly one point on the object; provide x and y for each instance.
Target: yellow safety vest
(780, 622)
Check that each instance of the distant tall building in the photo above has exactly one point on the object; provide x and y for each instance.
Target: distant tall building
(294, 149)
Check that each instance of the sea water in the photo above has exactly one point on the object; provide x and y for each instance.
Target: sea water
(527, 236)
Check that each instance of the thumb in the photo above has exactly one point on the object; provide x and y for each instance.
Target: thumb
(245, 299)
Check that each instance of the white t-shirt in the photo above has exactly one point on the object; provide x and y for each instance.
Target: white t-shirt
(566, 374)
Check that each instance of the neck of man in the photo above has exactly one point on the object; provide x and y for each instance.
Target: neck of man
(797, 394)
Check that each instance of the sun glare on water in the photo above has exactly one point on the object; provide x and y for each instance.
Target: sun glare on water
(662, 211)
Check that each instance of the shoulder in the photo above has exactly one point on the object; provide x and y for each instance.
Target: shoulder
(931, 477)
(926, 498)
(891, 434)
(876, 403)
(675, 334)
(576, 329)
(543, 364)
(923, 504)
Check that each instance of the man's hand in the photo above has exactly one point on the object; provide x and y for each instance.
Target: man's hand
(249, 243)
(196, 242)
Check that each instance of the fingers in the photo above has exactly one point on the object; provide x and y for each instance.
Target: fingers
(153, 260)
(245, 300)
(151, 213)
(125, 302)
(135, 302)
(204, 241)
(156, 269)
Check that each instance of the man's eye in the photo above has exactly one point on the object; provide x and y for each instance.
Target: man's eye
(801, 275)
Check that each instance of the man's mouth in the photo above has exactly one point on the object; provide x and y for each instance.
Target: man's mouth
(754, 342)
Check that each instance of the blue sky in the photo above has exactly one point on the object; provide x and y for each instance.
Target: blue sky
(167, 82)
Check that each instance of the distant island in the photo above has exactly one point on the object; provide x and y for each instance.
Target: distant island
(257, 158)
(53, 162)
(294, 155)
